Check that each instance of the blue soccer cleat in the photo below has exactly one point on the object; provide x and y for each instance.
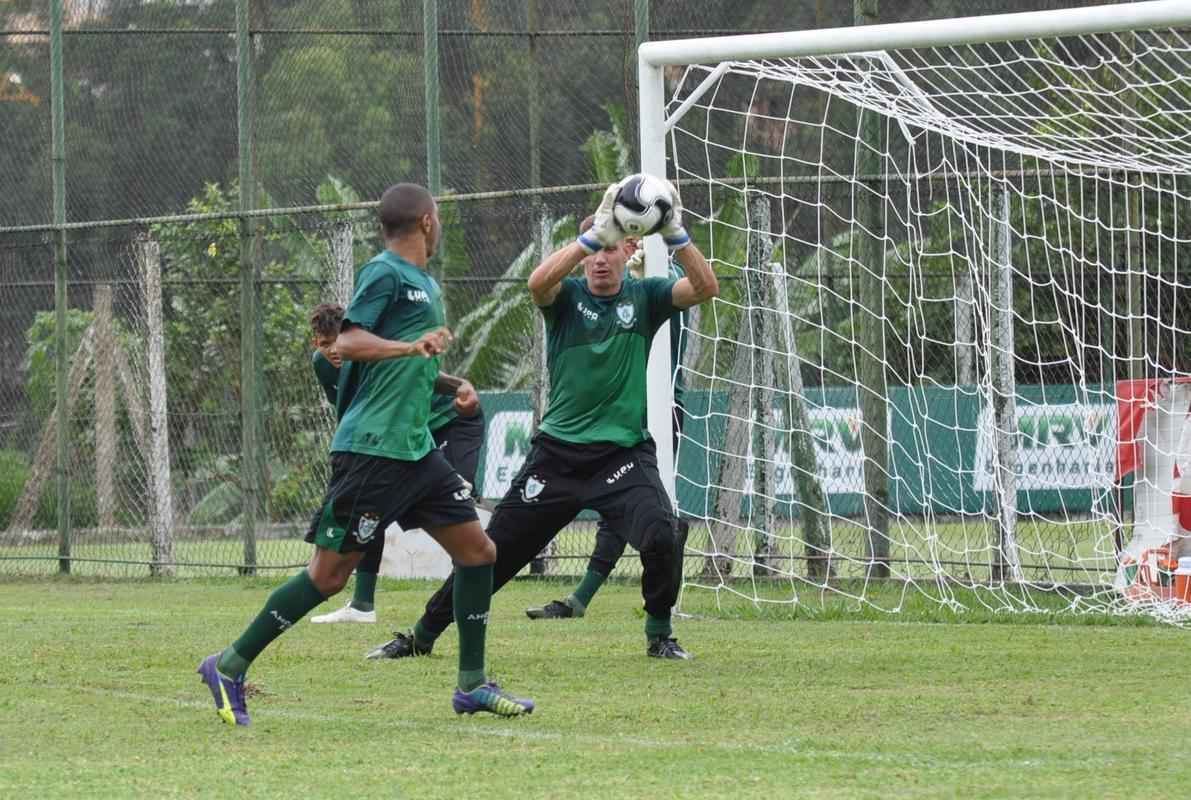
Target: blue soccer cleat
(228, 693)
(491, 698)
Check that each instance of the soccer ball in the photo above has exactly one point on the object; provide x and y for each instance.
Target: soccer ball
(642, 205)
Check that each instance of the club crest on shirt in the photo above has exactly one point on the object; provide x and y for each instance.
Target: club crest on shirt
(626, 312)
(367, 528)
(533, 487)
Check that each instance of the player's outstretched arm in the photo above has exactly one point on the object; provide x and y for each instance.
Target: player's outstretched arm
(700, 283)
(356, 344)
(546, 278)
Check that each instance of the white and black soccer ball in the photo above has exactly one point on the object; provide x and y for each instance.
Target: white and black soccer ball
(642, 205)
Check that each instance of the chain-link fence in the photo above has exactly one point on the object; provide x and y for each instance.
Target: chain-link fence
(173, 321)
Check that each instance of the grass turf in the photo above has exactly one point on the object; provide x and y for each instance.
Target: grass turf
(99, 697)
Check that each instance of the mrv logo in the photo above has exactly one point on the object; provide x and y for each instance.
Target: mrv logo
(1065, 446)
(417, 296)
(507, 442)
(839, 453)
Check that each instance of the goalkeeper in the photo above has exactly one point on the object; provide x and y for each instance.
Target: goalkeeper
(592, 449)
(456, 423)
(609, 545)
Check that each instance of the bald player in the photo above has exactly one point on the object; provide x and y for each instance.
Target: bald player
(385, 467)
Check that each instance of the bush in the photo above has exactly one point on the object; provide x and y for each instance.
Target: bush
(84, 510)
(14, 471)
(14, 474)
(296, 494)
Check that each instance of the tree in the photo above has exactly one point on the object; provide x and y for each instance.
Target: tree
(202, 330)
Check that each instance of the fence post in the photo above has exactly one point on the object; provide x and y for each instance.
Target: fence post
(763, 382)
(1004, 391)
(58, 166)
(431, 112)
(249, 385)
(805, 485)
(870, 367)
(641, 23)
(965, 336)
(105, 408)
(641, 31)
(430, 71)
(342, 261)
(161, 511)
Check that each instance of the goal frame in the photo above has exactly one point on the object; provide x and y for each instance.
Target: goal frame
(653, 126)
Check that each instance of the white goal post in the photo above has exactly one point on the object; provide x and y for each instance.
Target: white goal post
(1061, 141)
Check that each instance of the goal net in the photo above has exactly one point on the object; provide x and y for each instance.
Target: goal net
(948, 364)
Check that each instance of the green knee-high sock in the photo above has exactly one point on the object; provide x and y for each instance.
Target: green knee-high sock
(288, 603)
(656, 628)
(580, 599)
(472, 597)
(364, 596)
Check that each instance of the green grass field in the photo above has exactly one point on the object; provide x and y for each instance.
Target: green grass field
(99, 699)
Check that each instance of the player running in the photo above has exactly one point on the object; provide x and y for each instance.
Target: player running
(456, 423)
(385, 467)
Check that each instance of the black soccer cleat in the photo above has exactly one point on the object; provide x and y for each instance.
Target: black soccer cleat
(401, 646)
(667, 647)
(555, 609)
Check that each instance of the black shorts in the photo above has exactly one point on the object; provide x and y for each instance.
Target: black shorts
(368, 493)
(460, 441)
(559, 479)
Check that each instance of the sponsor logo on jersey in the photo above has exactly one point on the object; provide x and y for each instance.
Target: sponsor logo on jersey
(533, 487)
(626, 312)
(367, 528)
(417, 295)
(620, 472)
(587, 312)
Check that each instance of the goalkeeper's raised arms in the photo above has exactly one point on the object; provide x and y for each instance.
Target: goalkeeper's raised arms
(699, 285)
(603, 233)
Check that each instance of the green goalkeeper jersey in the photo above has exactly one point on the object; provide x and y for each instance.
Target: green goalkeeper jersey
(596, 352)
(389, 405)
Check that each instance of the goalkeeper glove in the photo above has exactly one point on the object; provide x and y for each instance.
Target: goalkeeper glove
(673, 233)
(604, 232)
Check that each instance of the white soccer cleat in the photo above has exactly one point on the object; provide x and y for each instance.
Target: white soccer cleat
(346, 614)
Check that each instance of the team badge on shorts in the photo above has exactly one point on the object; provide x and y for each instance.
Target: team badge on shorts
(367, 528)
(626, 312)
(533, 488)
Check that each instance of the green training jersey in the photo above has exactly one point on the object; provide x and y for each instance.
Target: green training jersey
(327, 375)
(596, 352)
(442, 411)
(389, 401)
